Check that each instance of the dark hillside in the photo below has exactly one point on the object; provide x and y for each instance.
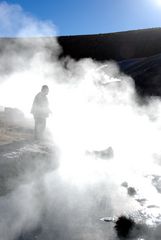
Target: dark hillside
(146, 72)
(116, 46)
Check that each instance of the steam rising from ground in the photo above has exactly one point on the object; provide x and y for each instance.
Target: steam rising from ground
(94, 107)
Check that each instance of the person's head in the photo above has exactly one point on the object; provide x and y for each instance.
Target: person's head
(45, 89)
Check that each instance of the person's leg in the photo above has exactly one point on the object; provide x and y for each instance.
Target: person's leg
(42, 126)
(36, 130)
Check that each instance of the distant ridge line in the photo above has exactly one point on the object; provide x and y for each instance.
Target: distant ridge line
(109, 33)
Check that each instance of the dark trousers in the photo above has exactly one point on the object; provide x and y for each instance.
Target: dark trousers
(40, 125)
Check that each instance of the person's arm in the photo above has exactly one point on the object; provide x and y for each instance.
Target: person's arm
(35, 104)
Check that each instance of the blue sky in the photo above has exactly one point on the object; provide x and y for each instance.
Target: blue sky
(74, 17)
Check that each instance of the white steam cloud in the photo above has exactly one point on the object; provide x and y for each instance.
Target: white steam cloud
(103, 135)
(15, 22)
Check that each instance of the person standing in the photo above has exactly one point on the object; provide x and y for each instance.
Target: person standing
(40, 110)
